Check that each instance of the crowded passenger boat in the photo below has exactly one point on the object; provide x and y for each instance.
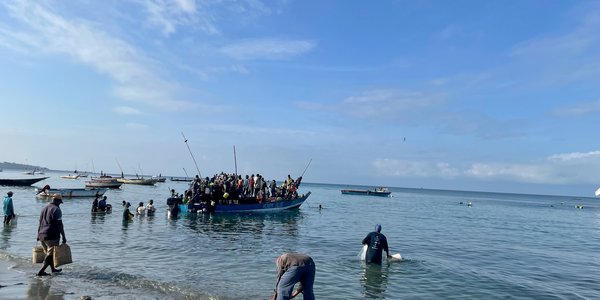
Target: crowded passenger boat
(236, 193)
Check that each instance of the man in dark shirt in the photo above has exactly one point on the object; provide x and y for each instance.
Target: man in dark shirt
(50, 230)
(295, 268)
(376, 243)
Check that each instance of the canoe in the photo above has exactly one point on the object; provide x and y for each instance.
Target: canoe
(381, 193)
(71, 193)
(138, 181)
(266, 206)
(21, 181)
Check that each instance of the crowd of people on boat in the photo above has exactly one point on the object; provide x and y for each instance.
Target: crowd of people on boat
(205, 194)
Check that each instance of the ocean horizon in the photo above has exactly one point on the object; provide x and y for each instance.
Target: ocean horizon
(501, 246)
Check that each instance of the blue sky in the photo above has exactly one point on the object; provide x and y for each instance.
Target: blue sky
(478, 95)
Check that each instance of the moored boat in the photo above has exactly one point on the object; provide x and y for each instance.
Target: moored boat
(138, 181)
(20, 181)
(70, 176)
(71, 193)
(103, 184)
(380, 191)
(159, 178)
(188, 179)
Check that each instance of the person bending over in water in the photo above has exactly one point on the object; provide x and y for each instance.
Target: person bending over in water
(294, 268)
(376, 243)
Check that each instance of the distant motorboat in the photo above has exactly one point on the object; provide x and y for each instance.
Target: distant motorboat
(380, 191)
(70, 176)
(21, 181)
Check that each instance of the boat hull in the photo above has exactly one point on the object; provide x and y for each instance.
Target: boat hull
(100, 184)
(21, 182)
(265, 207)
(366, 193)
(137, 181)
(72, 193)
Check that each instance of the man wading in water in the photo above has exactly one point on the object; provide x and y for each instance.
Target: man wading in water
(377, 243)
(49, 232)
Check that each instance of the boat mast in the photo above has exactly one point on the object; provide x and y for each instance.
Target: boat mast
(235, 161)
(188, 146)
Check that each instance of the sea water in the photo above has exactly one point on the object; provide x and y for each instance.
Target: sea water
(503, 246)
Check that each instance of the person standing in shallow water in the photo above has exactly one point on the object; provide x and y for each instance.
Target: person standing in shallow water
(50, 230)
(294, 268)
(127, 215)
(377, 243)
(9, 210)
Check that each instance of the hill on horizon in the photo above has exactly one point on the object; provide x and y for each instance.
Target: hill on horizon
(16, 166)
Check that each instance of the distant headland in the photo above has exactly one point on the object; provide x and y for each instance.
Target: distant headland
(15, 166)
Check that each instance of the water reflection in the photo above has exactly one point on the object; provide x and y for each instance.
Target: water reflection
(374, 280)
(39, 289)
(6, 234)
(231, 225)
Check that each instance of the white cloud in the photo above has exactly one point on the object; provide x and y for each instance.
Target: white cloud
(267, 49)
(126, 65)
(569, 56)
(405, 168)
(583, 157)
(169, 15)
(135, 126)
(565, 168)
(580, 109)
(390, 104)
(126, 110)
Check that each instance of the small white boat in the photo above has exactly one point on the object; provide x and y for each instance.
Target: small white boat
(71, 193)
(70, 176)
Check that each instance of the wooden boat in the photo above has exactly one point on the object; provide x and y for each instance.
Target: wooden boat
(380, 191)
(21, 181)
(103, 184)
(71, 193)
(159, 178)
(70, 176)
(104, 181)
(251, 205)
(139, 181)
